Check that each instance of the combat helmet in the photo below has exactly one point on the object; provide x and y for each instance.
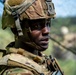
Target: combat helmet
(18, 10)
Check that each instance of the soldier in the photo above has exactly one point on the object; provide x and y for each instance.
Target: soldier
(29, 20)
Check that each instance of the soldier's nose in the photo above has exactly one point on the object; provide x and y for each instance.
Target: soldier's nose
(46, 30)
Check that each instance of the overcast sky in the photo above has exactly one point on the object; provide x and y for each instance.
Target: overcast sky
(63, 7)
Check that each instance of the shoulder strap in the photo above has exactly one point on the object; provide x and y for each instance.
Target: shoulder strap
(53, 66)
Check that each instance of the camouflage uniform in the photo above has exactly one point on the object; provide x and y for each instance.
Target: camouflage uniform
(18, 61)
(21, 62)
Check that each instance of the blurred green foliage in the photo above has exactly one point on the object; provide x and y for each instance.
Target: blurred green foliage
(69, 22)
(6, 36)
(68, 66)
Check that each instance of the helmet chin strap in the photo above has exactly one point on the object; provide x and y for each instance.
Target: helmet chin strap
(17, 23)
(18, 26)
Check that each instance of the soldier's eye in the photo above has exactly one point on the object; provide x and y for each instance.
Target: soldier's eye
(39, 24)
(35, 26)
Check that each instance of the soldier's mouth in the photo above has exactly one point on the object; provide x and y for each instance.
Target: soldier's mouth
(44, 41)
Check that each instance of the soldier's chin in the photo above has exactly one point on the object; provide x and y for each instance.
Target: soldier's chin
(44, 47)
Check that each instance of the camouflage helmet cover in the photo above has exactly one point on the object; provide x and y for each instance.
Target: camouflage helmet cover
(29, 9)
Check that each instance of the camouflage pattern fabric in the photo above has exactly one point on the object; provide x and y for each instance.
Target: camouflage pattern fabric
(17, 71)
(36, 10)
(21, 62)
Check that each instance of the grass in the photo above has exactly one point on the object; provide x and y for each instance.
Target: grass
(68, 66)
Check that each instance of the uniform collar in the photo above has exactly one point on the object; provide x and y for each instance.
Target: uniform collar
(36, 58)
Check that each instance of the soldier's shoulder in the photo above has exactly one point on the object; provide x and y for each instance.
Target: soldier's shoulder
(18, 60)
(13, 60)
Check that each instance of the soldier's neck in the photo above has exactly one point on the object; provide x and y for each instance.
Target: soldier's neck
(20, 44)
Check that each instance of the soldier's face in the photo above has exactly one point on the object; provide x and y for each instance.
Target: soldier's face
(40, 32)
